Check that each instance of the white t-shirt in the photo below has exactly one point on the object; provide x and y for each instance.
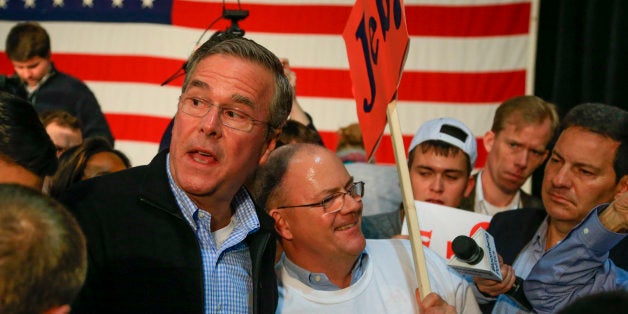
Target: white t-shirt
(387, 285)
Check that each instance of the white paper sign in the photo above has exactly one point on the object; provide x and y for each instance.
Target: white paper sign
(441, 224)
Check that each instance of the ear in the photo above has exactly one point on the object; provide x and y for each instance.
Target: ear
(622, 186)
(488, 140)
(282, 226)
(272, 143)
(470, 186)
(62, 309)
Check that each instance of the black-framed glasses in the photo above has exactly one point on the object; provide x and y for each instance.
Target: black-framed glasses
(229, 117)
(336, 201)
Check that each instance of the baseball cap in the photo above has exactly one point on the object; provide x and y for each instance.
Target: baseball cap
(448, 130)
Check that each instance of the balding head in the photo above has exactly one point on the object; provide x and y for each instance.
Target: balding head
(316, 206)
(269, 177)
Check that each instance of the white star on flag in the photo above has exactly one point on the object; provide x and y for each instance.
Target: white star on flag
(29, 4)
(116, 3)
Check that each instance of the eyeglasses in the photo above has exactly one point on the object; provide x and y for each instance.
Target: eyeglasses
(229, 117)
(335, 202)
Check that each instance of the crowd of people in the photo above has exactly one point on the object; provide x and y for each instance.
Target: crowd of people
(244, 209)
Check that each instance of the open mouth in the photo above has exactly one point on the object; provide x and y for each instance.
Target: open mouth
(203, 157)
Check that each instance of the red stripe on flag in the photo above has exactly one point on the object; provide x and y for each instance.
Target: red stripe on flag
(136, 127)
(111, 68)
(482, 20)
(300, 19)
(421, 86)
(137, 69)
(422, 20)
(480, 87)
(462, 87)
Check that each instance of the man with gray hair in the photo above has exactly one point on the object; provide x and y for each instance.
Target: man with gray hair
(182, 234)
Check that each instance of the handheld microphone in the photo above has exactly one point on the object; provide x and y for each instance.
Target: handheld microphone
(477, 257)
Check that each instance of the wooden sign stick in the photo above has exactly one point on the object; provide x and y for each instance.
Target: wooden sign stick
(408, 200)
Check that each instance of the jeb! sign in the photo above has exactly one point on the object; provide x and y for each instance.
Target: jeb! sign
(376, 37)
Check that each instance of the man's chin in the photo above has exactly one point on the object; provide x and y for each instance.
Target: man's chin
(561, 212)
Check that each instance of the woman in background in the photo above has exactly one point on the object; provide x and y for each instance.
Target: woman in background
(94, 157)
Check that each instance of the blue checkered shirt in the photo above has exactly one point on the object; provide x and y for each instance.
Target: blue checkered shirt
(226, 269)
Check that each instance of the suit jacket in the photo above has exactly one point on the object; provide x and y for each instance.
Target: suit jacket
(528, 201)
(143, 255)
(526, 222)
(513, 229)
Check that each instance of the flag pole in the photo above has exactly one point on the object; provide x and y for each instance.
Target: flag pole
(408, 200)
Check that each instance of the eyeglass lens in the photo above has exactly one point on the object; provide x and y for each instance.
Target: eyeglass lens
(336, 201)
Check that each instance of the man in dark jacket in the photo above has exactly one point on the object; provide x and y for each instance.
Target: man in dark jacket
(182, 234)
(28, 48)
(587, 167)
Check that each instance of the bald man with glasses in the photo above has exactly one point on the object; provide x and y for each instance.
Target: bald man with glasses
(327, 263)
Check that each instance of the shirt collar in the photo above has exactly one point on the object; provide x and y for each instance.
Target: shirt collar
(485, 206)
(319, 281)
(242, 202)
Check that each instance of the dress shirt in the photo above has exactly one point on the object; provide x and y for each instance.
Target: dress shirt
(319, 281)
(522, 266)
(482, 206)
(577, 266)
(227, 267)
(528, 257)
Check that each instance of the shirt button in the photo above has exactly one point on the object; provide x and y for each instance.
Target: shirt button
(317, 278)
(585, 231)
(201, 215)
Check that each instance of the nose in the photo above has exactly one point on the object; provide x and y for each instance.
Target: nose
(521, 158)
(436, 184)
(25, 73)
(211, 123)
(351, 204)
(561, 177)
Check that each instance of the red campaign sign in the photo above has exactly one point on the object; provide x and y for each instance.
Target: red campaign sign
(376, 37)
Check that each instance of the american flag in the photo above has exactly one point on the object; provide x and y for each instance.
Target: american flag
(465, 57)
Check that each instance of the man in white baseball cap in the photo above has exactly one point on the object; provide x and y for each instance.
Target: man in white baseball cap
(441, 158)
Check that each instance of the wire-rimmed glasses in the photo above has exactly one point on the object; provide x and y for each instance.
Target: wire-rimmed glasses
(229, 117)
(335, 202)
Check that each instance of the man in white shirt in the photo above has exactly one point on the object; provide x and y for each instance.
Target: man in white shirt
(328, 265)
